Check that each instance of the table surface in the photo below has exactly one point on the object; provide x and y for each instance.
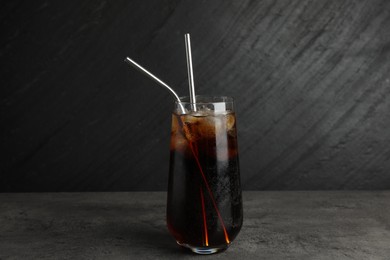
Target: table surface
(131, 225)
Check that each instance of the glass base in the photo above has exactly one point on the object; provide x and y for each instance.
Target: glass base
(203, 250)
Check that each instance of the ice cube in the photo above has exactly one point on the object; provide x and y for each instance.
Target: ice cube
(230, 120)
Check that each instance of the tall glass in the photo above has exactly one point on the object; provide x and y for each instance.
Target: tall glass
(204, 209)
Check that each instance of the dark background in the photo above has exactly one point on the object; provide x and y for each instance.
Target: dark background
(311, 81)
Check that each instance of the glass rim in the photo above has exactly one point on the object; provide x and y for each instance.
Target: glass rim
(209, 100)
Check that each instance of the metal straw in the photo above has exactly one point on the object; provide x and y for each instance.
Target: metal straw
(159, 81)
(190, 71)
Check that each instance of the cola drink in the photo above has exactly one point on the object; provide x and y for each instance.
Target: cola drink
(204, 209)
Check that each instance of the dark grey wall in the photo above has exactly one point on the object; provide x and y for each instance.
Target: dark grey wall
(311, 81)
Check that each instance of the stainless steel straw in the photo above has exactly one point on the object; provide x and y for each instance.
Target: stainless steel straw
(159, 81)
(190, 71)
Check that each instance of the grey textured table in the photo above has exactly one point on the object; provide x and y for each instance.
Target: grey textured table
(131, 225)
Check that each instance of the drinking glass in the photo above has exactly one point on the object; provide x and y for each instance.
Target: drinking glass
(204, 207)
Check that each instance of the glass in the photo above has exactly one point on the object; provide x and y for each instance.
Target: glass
(204, 208)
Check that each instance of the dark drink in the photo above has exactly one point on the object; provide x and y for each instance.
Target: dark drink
(204, 210)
